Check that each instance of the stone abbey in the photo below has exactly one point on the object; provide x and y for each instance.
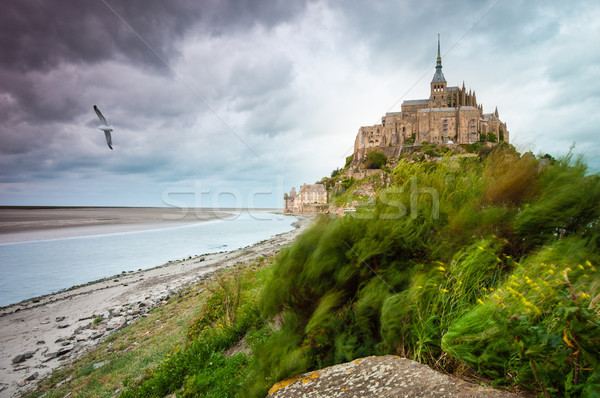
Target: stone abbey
(450, 115)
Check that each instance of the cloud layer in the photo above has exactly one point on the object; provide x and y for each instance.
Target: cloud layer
(257, 96)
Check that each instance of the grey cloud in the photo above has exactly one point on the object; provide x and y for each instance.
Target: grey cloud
(395, 31)
(38, 35)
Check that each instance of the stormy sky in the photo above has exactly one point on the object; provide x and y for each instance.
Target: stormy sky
(231, 102)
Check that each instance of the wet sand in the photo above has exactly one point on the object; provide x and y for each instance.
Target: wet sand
(24, 224)
(42, 334)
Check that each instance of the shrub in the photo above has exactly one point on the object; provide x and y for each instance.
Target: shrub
(502, 278)
(347, 183)
(375, 159)
(349, 160)
(490, 137)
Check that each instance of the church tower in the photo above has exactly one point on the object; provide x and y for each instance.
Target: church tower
(438, 97)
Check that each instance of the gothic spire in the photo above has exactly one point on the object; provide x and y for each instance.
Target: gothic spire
(438, 77)
(438, 63)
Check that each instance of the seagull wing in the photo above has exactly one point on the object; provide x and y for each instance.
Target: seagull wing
(100, 115)
(108, 138)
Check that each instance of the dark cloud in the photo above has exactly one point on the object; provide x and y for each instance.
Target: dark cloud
(60, 58)
(38, 35)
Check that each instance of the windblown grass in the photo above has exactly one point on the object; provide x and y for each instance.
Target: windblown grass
(489, 266)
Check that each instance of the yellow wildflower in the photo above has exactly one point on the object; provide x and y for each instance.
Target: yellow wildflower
(480, 302)
(566, 339)
(514, 292)
(440, 268)
(444, 290)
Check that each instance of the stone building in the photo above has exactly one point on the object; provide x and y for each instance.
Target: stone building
(309, 199)
(451, 115)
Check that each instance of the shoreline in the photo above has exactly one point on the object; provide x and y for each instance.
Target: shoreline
(35, 299)
(42, 334)
(34, 268)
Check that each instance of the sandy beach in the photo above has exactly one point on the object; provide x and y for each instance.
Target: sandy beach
(40, 335)
(19, 224)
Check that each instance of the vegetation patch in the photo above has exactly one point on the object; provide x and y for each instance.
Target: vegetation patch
(481, 266)
(375, 159)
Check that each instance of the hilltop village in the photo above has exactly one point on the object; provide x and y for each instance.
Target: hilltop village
(450, 117)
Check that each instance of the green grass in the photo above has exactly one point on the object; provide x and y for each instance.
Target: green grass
(200, 367)
(453, 270)
(131, 352)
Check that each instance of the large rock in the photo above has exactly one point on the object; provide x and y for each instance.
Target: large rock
(387, 376)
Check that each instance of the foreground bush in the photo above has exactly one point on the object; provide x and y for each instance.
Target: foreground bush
(466, 266)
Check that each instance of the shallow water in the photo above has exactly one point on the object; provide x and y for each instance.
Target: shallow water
(36, 268)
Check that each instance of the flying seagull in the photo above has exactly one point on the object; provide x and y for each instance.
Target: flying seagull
(104, 127)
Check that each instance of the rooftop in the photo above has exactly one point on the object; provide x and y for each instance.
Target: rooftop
(438, 110)
(416, 102)
(438, 77)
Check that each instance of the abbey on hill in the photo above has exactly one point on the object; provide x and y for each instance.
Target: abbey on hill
(450, 115)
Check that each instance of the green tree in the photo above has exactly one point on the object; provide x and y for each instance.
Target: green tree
(376, 159)
(491, 137)
(349, 160)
